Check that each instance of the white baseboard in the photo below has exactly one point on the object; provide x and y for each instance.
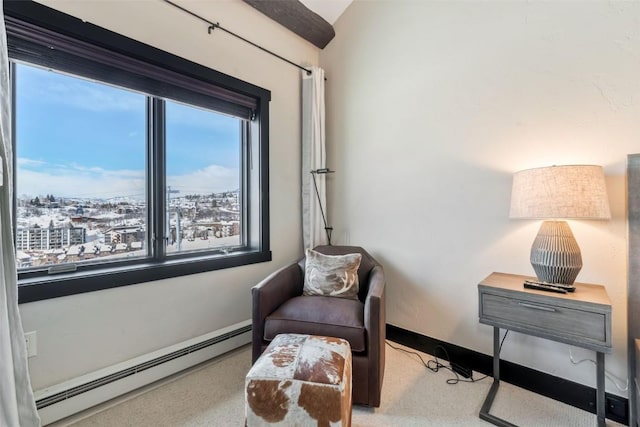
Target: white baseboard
(232, 337)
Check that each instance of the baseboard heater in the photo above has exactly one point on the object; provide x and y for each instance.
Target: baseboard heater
(70, 397)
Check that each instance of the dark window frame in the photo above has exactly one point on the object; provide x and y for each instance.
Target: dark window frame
(43, 36)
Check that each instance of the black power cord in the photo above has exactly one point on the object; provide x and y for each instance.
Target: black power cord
(434, 365)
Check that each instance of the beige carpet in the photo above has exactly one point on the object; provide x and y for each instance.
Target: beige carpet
(212, 395)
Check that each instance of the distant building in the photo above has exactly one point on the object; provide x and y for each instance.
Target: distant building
(23, 260)
(124, 234)
(38, 238)
(226, 228)
(123, 210)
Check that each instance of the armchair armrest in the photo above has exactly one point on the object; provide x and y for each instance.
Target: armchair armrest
(375, 325)
(268, 295)
(374, 314)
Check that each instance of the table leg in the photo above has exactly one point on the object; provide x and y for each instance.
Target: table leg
(488, 401)
(496, 353)
(600, 390)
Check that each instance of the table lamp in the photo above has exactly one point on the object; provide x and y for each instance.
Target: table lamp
(554, 193)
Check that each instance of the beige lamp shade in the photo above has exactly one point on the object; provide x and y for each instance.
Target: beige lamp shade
(558, 192)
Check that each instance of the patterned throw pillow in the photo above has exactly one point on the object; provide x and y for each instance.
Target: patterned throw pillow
(331, 275)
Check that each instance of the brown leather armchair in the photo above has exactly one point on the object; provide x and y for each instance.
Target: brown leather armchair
(279, 307)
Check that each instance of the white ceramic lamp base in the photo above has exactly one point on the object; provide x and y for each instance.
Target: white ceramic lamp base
(555, 254)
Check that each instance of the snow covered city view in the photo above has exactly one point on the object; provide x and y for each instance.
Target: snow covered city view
(81, 173)
(53, 231)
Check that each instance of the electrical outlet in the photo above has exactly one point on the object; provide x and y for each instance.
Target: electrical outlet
(32, 343)
(616, 409)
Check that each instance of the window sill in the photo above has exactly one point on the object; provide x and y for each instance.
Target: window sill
(59, 285)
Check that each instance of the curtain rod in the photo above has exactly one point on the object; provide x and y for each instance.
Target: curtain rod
(213, 26)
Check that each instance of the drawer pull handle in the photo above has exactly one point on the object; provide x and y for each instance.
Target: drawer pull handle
(536, 307)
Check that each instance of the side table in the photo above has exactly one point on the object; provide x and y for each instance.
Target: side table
(581, 318)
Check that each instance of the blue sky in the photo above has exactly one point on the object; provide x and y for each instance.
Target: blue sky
(85, 139)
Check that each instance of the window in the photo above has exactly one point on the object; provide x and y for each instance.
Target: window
(203, 180)
(128, 167)
(80, 171)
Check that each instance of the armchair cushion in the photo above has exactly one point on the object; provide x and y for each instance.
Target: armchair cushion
(331, 275)
(319, 315)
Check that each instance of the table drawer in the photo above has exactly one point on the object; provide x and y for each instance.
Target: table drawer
(545, 317)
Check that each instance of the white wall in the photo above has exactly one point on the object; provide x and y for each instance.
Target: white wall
(431, 106)
(82, 333)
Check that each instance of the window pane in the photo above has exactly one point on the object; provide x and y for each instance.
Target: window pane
(81, 190)
(203, 150)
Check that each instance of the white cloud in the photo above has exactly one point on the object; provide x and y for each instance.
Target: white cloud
(70, 183)
(213, 178)
(95, 97)
(58, 89)
(101, 172)
(95, 182)
(193, 116)
(24, 162)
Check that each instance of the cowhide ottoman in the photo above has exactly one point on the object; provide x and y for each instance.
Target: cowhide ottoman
(300, 380)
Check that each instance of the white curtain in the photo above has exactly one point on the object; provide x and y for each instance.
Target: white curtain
(17, 406)
(313, 158)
